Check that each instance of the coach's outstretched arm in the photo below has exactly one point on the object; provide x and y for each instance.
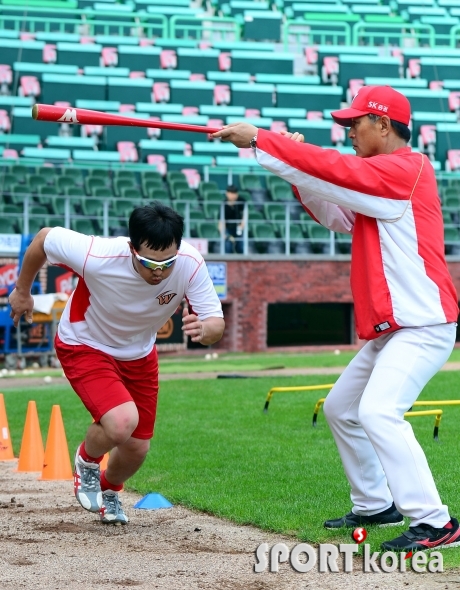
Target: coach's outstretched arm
(20, 299)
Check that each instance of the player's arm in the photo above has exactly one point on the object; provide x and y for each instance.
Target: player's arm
(20, 299)
(205, 323)
(206, 332)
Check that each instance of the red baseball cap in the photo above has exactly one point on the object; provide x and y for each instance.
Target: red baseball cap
(377, 100)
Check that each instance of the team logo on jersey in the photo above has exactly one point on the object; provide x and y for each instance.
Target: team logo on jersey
(382, 327)
(165, 298)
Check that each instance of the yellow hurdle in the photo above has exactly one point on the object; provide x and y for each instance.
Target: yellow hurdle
(301, 388)
(437, 413)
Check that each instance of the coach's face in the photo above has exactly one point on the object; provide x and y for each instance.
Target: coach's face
(156, 276)
(366, 136)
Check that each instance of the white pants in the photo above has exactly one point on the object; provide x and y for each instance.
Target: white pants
(382, 459)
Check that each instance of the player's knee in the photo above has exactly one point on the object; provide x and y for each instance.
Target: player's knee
(119, 426)
(330, 411)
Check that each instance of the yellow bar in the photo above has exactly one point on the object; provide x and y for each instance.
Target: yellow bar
(300, 388)
(424, 413)
(445, 402)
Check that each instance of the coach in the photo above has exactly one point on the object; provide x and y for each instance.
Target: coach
(405, 303)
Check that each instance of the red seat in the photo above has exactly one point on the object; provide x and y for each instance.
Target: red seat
(95, 131)
(314, 115)
(27, 36)
(337, 134)
(49, 54)
(225, 61)
(10, 153)
(6, 78)
(188, 149)
(193, 177)
(87, 40)
(254, 113)
(5, 123)
(413, 68)
(454, 102)
(197, 77)
(127, 108)
(311, 55)
(127, 151)
(161, 92)
(109, 57)
(452, 163)
(246, 153)
(222, 94)
(353, 86)
(190, 111)
(215, 124)
(436, 85)
(159, 162)
(278, 126)
(168, 59)
(137, 74)
(145, 42)
(427, 140)
(330, 70)
(153, 132)
(29, 86)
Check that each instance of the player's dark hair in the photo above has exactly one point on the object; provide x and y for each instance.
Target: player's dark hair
(401, 130)
(156, 226)
(231, 188)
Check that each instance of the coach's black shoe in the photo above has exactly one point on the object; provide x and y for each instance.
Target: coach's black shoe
(389, 517)
(424, 536)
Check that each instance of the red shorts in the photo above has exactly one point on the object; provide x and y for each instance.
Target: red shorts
(102, 382)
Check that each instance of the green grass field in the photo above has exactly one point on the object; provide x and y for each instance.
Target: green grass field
(216, 451)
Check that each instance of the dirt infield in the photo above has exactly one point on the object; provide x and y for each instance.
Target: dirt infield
(48, 542)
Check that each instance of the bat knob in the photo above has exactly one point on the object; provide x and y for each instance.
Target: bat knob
(35, 111)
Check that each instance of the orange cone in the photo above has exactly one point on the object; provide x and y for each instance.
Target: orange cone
(6, 446)
(31, 453)
(104, 462)
(56, 462)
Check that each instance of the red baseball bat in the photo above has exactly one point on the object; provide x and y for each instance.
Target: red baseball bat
(47, 112)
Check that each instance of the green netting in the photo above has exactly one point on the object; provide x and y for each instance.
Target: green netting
(298, 33)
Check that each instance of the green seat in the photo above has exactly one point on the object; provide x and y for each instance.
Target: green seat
(211, 210)
(48, 172)
(274, 211)
(161, 195)
(252, 95)
(63, 182)
(92, 207)
(58, 205)
(343, 242)
(35, 224)
(123, 183)
(7, 181)
(78, 54)
(124, 89)
(317, 132)
(262, 62)
(319, 237)
(56, 221)
(139, 58)
(186, 194)
(262, 25)
(192, 92)
(92, 183)
(312, 98)
(36, 181)
(131, 193)
(197, 60)
(215, 196)
(207, 186)
(282, 192)
(75, 191)
(125, 175)
(102, 192)
(151, 187)
(151, 176)
(45, 193)
(7, 226)
(57, 87)
(18, 192)
(75, 174)
(176, 186)
(250, 181)
(124, 207)
(83, 226)
(208, 230)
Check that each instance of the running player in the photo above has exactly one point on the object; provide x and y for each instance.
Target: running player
(405, 303)
(127, 290)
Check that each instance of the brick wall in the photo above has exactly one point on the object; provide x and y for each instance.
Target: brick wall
(253, 284)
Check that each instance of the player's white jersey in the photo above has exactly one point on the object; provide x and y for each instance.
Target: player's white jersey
(113, 309)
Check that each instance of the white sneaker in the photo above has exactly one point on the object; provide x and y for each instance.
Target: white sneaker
(87, 484)
(111, 511)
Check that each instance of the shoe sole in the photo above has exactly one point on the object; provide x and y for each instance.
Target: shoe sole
(351, 526)
(448, 546)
